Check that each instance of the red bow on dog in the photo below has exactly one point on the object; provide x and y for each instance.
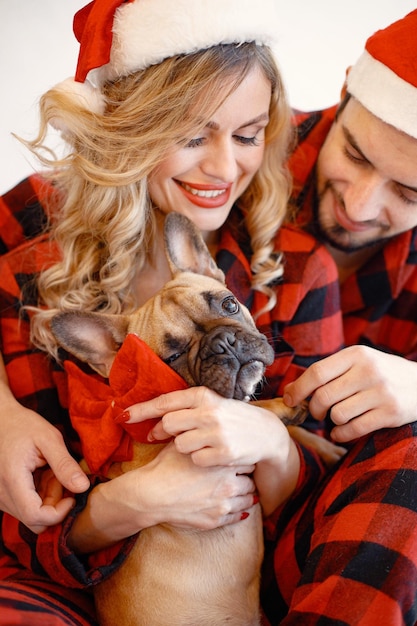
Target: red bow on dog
(137, 375)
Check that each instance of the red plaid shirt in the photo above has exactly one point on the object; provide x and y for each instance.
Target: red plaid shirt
(343, 550)
(379, 301)
(23, 212)
(304, 326)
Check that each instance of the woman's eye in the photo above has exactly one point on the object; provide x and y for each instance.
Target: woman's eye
(248, 141)
(194, 143)
(230, 305)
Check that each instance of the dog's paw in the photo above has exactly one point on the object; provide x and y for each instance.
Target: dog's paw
(329, 452)
(286, 414)
(298, 416)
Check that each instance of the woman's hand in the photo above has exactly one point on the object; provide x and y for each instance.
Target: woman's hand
(216, 431)
(27, 443)
(170, 489)
(364, 389)
(212, 429)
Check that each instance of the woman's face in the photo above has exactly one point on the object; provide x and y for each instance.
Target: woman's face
(203, 179)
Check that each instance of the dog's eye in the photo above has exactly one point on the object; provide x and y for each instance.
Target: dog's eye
(230, 305)
(173, 357)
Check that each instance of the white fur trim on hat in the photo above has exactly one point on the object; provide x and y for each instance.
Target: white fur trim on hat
(84, 95)
(384, 93)
(145, 32)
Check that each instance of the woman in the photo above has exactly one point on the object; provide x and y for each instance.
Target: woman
(200, 127)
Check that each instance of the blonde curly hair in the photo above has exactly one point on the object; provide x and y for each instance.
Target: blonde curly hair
(105, 224)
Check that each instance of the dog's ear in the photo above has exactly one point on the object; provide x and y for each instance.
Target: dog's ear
(94, 338)
(186, 249)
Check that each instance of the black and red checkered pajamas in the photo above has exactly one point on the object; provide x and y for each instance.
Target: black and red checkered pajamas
(343, 549)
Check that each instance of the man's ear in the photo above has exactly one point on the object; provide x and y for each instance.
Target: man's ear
(94, 338)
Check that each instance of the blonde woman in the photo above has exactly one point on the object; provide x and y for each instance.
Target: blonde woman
(197, 125)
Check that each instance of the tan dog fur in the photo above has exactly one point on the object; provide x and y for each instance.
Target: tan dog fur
(177, 577)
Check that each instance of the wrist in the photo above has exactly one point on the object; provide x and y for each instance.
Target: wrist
(115, 510)
(276, 477)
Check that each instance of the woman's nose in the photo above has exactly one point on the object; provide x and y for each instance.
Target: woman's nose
(220, 161)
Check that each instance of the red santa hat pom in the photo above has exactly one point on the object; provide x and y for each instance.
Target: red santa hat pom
(384, 79)
(120, 37)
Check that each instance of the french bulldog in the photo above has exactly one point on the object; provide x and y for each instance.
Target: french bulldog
(175, 577)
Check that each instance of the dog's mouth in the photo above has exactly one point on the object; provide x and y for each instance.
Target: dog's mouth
(247, 379)
(230, 361)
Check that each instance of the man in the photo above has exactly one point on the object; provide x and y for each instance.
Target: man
(336, 557)
(355, 187)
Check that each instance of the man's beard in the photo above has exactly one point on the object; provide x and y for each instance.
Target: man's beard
(334, 234)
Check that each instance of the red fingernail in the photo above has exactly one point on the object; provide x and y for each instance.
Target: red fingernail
(255, 499)
(244, 515)
(122, 418)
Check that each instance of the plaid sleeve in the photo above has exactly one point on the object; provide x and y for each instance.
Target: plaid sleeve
(348, 555)
(39, 384)
(311, 130)
(23, 211)
(306, 323)
(48, 555)
(380, 299)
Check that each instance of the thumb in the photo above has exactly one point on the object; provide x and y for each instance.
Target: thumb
(67, 470)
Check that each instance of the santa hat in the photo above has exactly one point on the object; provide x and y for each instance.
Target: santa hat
(384, 79)
(119, 37)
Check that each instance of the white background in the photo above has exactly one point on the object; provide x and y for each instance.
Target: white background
(318, 40)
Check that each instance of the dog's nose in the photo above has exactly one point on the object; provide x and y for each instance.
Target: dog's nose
(223, 342)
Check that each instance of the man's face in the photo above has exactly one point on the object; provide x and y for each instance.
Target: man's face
(367, 181)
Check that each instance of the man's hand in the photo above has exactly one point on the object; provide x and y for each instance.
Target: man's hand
(28, 442)
(364, 389)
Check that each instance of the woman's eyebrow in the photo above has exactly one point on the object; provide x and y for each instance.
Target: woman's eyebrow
(260, 118)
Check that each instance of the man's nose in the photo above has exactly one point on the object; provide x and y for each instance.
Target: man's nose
(364, 199)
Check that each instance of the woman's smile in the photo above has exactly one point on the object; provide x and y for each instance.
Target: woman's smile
(206, 196)
(204, 178)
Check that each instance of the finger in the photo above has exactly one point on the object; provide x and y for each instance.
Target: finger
(50, 490)
(244, 469)
(359, 426)
(243, 508)
(26, 500)
(354, 406)
(66, 469)
(192, 440)
(158, 433)
(49, 515)
(343, 393)
(165, 403)
(316, 376)
(172, 424)
(243, 503)
(28, 507)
